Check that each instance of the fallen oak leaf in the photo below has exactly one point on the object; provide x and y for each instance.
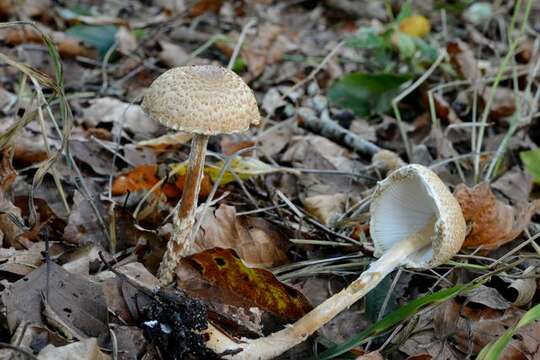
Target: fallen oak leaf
(493, 223)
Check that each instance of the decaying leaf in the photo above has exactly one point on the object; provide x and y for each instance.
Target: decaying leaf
(244, 168)
(123, 115)
(453, 329)
(492, 222)
(504, 102)
(223, 269)
(81, 350)
(145, 177)
(78, 304)
(256, 241)
(326, 208)
(463, 60)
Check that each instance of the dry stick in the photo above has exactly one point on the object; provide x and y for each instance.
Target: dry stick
(332, 130)
(275, 344)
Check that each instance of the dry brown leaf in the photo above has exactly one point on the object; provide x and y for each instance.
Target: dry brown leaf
(259, 243)
(67, 46)
(503, 103)
(326, 208)
(81, 350)
(492, 222)
(463, 60)
(454, 329)
(267, 47)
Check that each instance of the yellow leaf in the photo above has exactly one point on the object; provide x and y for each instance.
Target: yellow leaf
(415, 25)
(244, 168)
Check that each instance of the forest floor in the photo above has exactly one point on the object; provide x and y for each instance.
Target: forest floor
(348, 91)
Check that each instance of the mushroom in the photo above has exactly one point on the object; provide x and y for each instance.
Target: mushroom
(202, 100)
(415, 222)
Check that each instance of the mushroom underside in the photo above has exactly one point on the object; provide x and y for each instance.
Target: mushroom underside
(401, 209)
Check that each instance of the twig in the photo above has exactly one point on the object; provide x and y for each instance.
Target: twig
(239, 43)
(330, 129)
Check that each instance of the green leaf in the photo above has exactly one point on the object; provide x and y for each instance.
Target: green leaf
(405, 11)
(531, 160)
(100, 37)
(396, 317)
(367, 38)
(494, 350)
(428, 52)
(366, 94)
(405, 44)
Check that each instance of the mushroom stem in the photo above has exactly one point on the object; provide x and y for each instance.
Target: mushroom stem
(180, 243)
(277, 343)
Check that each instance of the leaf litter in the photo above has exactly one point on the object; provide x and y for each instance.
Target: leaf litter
(89, 185)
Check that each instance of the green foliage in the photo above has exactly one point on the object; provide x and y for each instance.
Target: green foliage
(531, 160)
(100, 37)
(366, 94)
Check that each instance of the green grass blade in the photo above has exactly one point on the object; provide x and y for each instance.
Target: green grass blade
(396, 317)
(494, 350)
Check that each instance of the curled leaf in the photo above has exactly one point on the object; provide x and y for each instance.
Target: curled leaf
(492, 222)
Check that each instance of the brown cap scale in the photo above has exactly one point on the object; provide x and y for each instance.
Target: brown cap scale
(203, 100)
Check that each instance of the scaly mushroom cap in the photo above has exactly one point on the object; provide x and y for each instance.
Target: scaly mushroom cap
(203, 99)
(405, 202)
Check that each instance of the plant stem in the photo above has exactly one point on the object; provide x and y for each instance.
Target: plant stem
(180, 243)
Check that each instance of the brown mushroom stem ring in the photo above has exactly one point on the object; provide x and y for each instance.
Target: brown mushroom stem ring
(181, 238)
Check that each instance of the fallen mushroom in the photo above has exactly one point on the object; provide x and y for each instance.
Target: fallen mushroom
(415, 222)
(203, 100)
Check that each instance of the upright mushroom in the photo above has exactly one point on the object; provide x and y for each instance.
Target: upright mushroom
(203, 100)
(415, 221)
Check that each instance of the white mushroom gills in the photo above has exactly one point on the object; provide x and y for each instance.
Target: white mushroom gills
(415, 221)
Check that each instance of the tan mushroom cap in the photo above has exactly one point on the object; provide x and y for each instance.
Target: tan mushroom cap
(202, 99)
(405, 202)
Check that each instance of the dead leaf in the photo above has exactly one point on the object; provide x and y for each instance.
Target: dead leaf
(374, 355)
(127, 42)
(78, 303)
(326, 208)
(123, 115)
(144, 177)
(492, 222)
(83, 226)
(515, 184)
(266, 48)
(223, 269)
(256, 241)
(204, 6)
(463, 60)
(172, 54)
(453, 329)
(67, 46)
(503, 103)
(80, 350)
